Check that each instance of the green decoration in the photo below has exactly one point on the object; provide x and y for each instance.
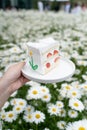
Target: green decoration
(34, 67)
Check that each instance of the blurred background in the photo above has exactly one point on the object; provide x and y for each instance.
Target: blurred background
(40, 4)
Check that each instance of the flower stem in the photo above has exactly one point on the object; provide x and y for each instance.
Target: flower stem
(36, 127)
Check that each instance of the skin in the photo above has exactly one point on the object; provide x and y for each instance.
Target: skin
(11, 81)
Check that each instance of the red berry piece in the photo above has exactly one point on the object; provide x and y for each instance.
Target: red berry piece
(48, 65)
(55, 52)
(49, 55)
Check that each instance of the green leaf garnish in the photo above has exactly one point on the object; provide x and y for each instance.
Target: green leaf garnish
(35, 67)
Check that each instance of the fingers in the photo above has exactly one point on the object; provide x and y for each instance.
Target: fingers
(21, 64)
(21, 81)
(25, 81)
(13, 72)
(16, 68)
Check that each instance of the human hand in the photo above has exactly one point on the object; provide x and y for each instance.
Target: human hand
(13, 77)
(11, 81)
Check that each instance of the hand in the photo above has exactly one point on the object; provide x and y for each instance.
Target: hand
(11, 81)
(14, 78)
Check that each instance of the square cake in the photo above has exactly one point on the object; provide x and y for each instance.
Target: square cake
(43, 55)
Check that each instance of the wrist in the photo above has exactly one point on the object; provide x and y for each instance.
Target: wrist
(3, 84)
(4, 97)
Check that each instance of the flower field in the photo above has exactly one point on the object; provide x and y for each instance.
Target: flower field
(35, 106)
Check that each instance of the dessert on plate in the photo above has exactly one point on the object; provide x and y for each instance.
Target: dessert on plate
(43, 55)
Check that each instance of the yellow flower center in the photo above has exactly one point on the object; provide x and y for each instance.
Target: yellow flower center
(59, 105)
(35, 92)
(73, 112)
(68, 87)
(77, 86)
(62, 112)
(43, 90)
(46, 96)
(74, 93)
(29, 109)
(76, 104)
(62, 125)
(54, 109)
(15, 49)
(10, 115)
(81, 128)
(37, 116)
(29, 116)
(14, 102)
(3, 116)
(85, 87)
(18, 108)
(21, 103)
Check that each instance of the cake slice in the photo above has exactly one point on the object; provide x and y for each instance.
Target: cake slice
(43, 55)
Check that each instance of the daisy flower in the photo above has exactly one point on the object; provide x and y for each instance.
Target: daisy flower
(46, 97)
(55, 85)
(84, 87)
(77, 71)
(18, 109)
(82, 62)
(21, 102)
(14, 58)
(14, 101)
(76, 104)
(44, 90)
(5, 105)
(18, 101)
(33, 84)
(46, 129)
(62, 113)
(15, 49)
(65, 89)
(0, 125)
(28, 117)
(34, 93)
(29, 109)
(3, 115)
(84, 77)
(70, 126)
(38, 117)
(61, 125)
(77, 125)
(14, 94)
(53, 109)
(10, 116)
(28, 97)
(60, 104)
(20, 121)
(63, 93)
(74, 93)
(75, 84)
(72, 113)
(60, 98)
(85, 103)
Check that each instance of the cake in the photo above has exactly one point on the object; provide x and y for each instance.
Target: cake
(43, 55)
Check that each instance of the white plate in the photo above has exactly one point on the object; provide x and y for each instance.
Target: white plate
(63, 71)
